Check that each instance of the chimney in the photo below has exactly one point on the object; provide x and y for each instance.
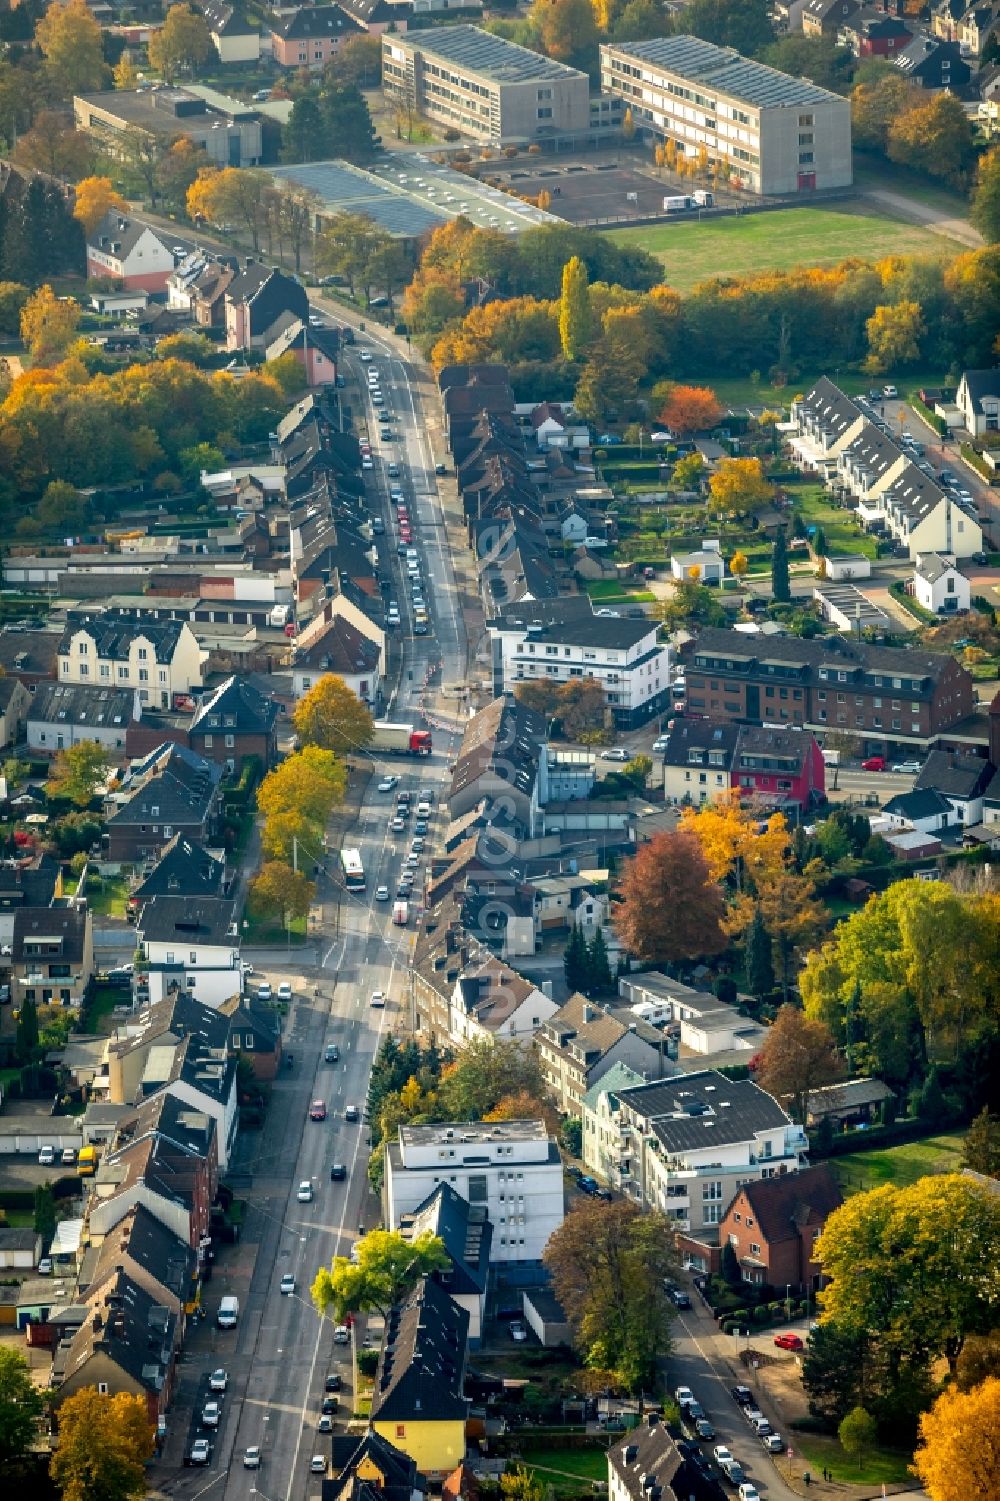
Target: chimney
(589, 1014)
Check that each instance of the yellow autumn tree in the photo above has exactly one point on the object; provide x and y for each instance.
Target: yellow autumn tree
(48, 324)
(738, 487)
(739, 565)
(95, 196)
(958, 1456)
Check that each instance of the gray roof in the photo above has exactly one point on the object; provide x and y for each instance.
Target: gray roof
(921, 803)
(726, 71)
(73, 704)
(343, 188)
(421, 1367)
(180, 784)
(184, 867)
(317, 21)
(154, 1247)
(118, 227)
(132, 1330)
(830, 654)
(67, 925)
(491, 57)
(931, 567)
(828, 404)
(955, 775)
(649, 1451)
(114, 632)
(693, 740)
(237, 706)
(14, 1239)
(981, 383)
(696, 1111)
(571, 621)
(189, 920)
(466, 1231)
(503, 739)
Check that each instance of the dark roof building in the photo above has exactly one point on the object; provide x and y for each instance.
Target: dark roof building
(955, 776)
(126, 1343)
(932, 63)
(235, 722)
(188, 921)
(369, 1468)
(28, 883)
(151, 1253)
(29, 655)
(467, 1235)
(183, 867)
(647, 1465)
(773, 1224)
(170, 791)
(420, 1378)
(319, 21)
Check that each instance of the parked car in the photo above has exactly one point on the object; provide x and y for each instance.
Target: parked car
(342, 1335)
(387, 784)
(907, 767)
(46, 1156)
(873, 763)
(682, 1395)
(333, 1382)
(678, 1297)
(304, 1192)
(518, 1331)
(218, 1381)
(890, 393)
(200, 1452)
(773, 1442)
(284, 991)
(616, 753)
(317, 1465)
(264, 992)
(789, 1342)
(743, 1395)
(44, 1267)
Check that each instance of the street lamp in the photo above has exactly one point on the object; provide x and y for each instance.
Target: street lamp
(788, 1301)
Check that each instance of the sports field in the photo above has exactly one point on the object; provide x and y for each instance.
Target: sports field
(693, 252)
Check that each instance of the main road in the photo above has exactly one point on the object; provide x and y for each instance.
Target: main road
(281, 1352)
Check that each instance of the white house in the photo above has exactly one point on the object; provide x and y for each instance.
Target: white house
(130, 252)
(63, 714)
(511, 1167)
(191, 944)
(961, 780)
(583, 1041)
(599, 1118)
(491, 1000)
(124, 649)
(235, 40)
(708, 560)
(938, 585)
(978, 400)
(922, 809)
(557, 640)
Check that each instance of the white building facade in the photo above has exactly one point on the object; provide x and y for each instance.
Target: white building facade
(157, 658)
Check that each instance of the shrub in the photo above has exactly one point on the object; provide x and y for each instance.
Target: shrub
(761, 1314)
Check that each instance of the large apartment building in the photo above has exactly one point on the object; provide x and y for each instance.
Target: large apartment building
(769, 133)
(484, 86)
(888, 697)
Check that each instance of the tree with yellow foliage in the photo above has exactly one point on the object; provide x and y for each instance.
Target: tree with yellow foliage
(739, 565)
(738, 487)
(48, 325)
(125, 74)
(95, 196)
(70, 40)
(894, 334)
(958, 1456)
(278, 890)
(333, 717)
(181, 43)
(104, 1445)
(309, 783)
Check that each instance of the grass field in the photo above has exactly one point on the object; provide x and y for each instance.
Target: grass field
(859, 1171)
(564, 1469)
(882, 1467)
(839, 527)
(778, 241)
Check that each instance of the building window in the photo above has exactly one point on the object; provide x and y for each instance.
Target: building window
(754, 1248)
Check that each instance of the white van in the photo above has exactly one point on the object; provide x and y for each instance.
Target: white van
(228, 1314)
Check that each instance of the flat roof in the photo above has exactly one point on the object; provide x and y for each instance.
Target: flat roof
(490, 56)
(726, 71)
(408, 194)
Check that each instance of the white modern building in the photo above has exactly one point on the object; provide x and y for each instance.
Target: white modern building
(768, 132)
(939, 587)
(560, 639)
(511, 1167)
(191, 944)
(121, 649)
(491, 1000)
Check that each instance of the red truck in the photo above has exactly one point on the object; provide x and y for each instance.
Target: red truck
(401, 739)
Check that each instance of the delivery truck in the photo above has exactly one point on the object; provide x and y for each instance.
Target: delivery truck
(676, 205)
(400, 739)
(401, 914)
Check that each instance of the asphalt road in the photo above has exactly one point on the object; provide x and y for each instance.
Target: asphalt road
(281, 1351)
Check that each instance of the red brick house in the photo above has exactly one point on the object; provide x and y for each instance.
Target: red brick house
(772, 1226)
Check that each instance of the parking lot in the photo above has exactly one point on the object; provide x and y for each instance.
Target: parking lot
(585, 190)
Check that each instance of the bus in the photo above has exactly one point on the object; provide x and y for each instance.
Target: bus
(354, 871)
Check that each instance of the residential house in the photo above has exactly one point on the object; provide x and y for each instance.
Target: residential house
(171, 791)
(28, 881)
(130, 252)
(418, 1401)
(234, 39)
(254, 1033)
(190, 943)
(939, 587)
(601, 1135)
(512, 560)
(565, 902)
(309, 37)
(706, 759)
(152, 1255)
(874, 33)
(932, 64)
(979, 28)
(126, 1343)
(826, 17)
(127, 649)
(28, 656)
(368, 1468)
(978, 399)
(701, 1030)
(707, 565)
(182, 867)
(926, 811)
(582, 1041)
(339, 647)
(886, 696)
(467, 1234)
(255, 299)
(513, 1168)
(497, 766)
(491, 1000)
(52, 955)
(64, 714)
(774, 1223)
(14, 702)
(946, 17)
(379, 16)
(961, 779)
(687, 1143)
(647, 1465)
(317, 349)
(854, 1102)
(561, 639)
(164, 1156)
(234, 724)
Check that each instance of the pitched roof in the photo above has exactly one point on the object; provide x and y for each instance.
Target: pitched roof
(180, 1127)
(980, 383)
(74, 704)
(955, 775)
(247, 1013)
(340, 648)
(618, 1077)
(931, 567)
(152, 1245)
(355, 1459)
(571, 620)
(917, 804)
(692, 1112)
(32, 652)
(830, 654)
(236, 706)
(114, 631)
(583, 1029)
(782, 1205)
(128, 1328)
(648, 1451)
(320, 21)
(504, 739)
(30, 883)
(183, 867)
(422, 1362)
(466, 1231)
(123, 231)
(190, 920)
(692, 741)
(66, 925)
(174, 781)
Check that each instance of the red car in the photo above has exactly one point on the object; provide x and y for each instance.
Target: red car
(874, 763)
(317, 1110)
(788, 1342)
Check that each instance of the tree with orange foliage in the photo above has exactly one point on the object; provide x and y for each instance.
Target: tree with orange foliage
(690, 409)
(524, 1106)
(957, 1456)
(669, 907)
(95, 196)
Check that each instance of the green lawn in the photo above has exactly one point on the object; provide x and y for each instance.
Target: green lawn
(106, 895)
(778, 241)
(563, 1469)
(813, 1451)
(260, 930)
(603, 590)
(104, 1000)
(842, 532)
(856, 1172)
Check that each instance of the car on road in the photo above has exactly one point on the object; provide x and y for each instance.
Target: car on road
(873, 763)
(46, 1156)
(317, 1110)
(331, 1053)
(616, 753)
(351, 1113)
(404, 888)
(366, 355)
(660, 743)
(906, 768)
(381, 893)
(743, 1395)
(264, 992)
(721, 1454)
(789, 1342)
(420, 627)
(324, 1423)
(287, 1284)
(703, 1429)
(218, 1381)
(397, 825)
(678, 1297)
(518, 1332)
(388, 784)
(200, 1452)
(338, 1173)
(304, 1192)
(333, 1382)
(330, 1405)
(378, 998)
(342, 1335)
(890, 393)
(251, 1457)
(366, 462)
(210, 1415)
(317, 1465)
(392, 615)
(683, 1394)
(748, 1492)
(440, 468)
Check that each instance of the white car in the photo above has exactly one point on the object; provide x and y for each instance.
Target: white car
(683, 1394)
(661, 742)
(615, 754)
(748, 1492)
(45, 1267)
(287, 1283)
(284, 991)
(378, 998)
(722, 1455)
(304, 1192)
(46, 1156)
(342, 1335)
(218, 1381)
(251, 1457)
(210, 1415)
(388, 783)
(201, 1452)
(317, 1465)
(366, 355)
(907, 767)
(518, 1332)
(381, 893)
(264, 992)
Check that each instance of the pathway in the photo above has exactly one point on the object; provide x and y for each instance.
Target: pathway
(935, 219)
